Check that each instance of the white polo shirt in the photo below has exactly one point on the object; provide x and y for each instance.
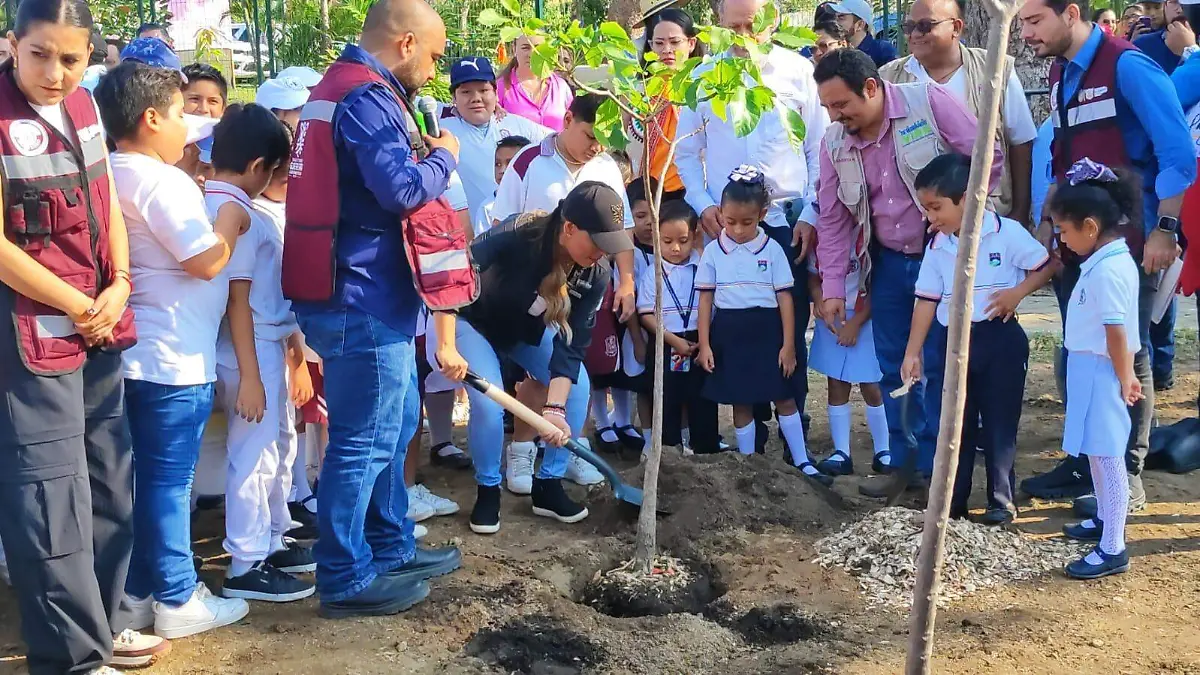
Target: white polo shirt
(1007, 252)
(681, 298)
(538, 179)
(481, 218)
(1106, 295)
(744, 275)
(477, 154)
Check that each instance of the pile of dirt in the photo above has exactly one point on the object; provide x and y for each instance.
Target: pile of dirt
(677, 586)
(707, 494)
(535, 644)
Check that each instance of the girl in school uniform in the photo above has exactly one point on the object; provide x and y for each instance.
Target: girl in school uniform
(1101, 337)
(746, 328)
(846, 356)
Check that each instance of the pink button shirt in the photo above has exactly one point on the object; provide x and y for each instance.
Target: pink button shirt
(897, 221)
(549, 113)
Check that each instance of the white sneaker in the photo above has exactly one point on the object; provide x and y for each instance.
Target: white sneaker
(440, 505)
(141, 612)
(580, 471)
(105, 670)
(419, 531)
(418, 510)
(519, 474)
(203, 612)
(132, 649)
(462, 413)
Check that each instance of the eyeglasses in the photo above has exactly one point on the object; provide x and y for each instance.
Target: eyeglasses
(923, 26)
(673, 43)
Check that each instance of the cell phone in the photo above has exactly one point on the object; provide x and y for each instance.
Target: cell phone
(1145, 22)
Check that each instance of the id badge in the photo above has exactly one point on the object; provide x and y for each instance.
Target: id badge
(680, 363)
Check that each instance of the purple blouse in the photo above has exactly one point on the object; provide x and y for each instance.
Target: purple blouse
(552, 109)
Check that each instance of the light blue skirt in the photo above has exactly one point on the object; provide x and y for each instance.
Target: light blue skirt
(1097, 421)
(856, 365)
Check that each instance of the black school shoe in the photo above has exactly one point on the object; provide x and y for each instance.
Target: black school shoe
(551, 501)
(996, 516)
(607, 447)
(307, 519)
(382, 597)
(1078, 532)
(427, 563)
(266, 583)
(837, 464)
(1071, 478)
(295, 559)
(485, 517)
(460, 460)
(1109, 564)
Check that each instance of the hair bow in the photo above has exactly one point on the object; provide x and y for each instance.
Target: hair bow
(1085, 170)
(746, 174)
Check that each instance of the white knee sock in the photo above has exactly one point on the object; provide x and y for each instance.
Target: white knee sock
(300, 487)
(839, 428)
(600, 408)
(745, 439)
(878, 424)
(622, 407)
(1112, 502)
(792, 427)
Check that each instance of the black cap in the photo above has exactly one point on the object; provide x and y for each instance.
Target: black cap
(598, 210)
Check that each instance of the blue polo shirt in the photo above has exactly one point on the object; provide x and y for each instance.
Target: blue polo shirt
(1152, 125)
(880, 51)
(379, 183)
(1155, 46)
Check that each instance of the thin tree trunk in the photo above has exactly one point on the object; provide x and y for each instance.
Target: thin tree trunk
(933, 539)
(326, 38)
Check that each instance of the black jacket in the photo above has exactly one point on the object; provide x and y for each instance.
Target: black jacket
(512, 259)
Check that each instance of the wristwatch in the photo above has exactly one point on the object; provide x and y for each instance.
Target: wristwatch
(1188, 52)
(1168, 224)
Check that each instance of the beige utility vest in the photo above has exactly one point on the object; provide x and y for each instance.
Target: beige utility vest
(974, 61)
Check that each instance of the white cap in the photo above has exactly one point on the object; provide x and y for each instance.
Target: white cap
(307, 76)
(860, 8)
(199, 128)
(282, 93)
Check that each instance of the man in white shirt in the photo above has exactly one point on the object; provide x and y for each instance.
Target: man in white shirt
(934, 29)
(472, 120)
(542, 174)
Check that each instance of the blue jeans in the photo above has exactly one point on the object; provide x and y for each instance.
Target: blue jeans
(486, 431)
(166, 423)
(894, 276)
(1162, 343)
(374, 406)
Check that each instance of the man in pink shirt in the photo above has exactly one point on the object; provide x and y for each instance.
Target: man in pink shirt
(881, 136)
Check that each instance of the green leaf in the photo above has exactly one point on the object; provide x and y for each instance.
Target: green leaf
(534, 25)
(513, 7)
(739, 115)
(609, 129)
(575, 31)
(613, 30)
(510, 33)
(797, 37)
(691, 97)
(655, 86)
(720, 40)
(718, 108)
(491, 18)
(544, 60)
(795, 129)
(766, 19)
(650, 57)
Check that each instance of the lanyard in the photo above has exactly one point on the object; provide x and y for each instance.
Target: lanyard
(685, 315)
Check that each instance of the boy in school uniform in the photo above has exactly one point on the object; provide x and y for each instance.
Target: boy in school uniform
(506, 149)
(206, 92)
(1012, 264)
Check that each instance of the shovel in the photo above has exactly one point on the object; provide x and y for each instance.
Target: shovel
(622, 491)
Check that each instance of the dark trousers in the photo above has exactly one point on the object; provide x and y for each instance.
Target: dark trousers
(681, 392)
(801, 301)
(1162, 345)
(66, 503)
(998, 361)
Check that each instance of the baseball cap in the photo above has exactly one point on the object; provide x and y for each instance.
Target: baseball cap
(282, 93)
(206, 150)
(153, 52)
(596, 209)
(651, 7)
(199, 127)
(307, 76)
(860, 8)
(471, 69)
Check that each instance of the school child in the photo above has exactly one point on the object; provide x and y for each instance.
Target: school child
(746, 325)
(680, 240)
(206, 92)
(178, 258)
(506, 149)
(1101, 337)
(284, 97)
(1012, 264)
(846, 356)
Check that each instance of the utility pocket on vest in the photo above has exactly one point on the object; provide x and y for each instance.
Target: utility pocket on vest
(46, 500)
(29, 221)
(309, 262)
(920, 154)
(46, 337)
(850, 192)
(436, 247)
(74, 217)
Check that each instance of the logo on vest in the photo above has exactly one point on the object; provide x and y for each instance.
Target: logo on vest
(914, 132)
(29, 137)
(88, 133)
(1092, 94)
(994, 259)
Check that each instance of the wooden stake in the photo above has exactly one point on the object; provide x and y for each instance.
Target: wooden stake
(933, 539)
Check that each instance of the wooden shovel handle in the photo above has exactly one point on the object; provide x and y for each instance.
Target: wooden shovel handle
(512, 405)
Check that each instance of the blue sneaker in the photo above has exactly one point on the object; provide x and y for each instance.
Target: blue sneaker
(1109, 565)
(1078, 532)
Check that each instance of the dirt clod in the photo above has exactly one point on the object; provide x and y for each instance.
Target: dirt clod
(535, 644)
(627, 594)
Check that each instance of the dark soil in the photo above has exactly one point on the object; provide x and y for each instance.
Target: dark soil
(537, 645)
(778, 625)
(615, 596)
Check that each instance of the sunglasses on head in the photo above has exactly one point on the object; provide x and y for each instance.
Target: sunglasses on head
(922, 26)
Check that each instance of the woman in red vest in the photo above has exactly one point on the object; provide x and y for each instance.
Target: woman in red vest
(65, 460)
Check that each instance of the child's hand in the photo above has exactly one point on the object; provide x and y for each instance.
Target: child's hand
(1004, 304)
(787, 360)
(679, 345)
(847, 335)
(1131, 388)
(251, 400)
(705, 358)
(302, 385)
(911, 370)
(639, 351)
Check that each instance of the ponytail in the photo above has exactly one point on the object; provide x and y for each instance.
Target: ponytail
(542, 230)
(1111, 197)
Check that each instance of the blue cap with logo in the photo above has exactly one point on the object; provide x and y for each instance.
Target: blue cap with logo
(152, 52)
(471, 69)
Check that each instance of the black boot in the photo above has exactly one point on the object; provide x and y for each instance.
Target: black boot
(485, 517)
(551, 501)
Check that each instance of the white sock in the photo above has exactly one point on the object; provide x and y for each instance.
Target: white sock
(600, 415)
(301, 490)
(792, 428)
(685, 435)
(239, 567)
(647, 433)
(839, 428)
(439, 410)
(878, 424)
(277, 544)
(1112, 502)
(745, 439)
(622, 407)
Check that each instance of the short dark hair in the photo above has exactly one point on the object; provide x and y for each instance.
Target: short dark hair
(128, 91)
(116, 42)
(853, 66)
(1060, 6)
(516, 142)
(677, 209)
(74, 13)
(583, 108)
(947, 175)
(196, 72)
(641, 189)
(833, 29)
(99, 50)
(147, 27)
(454, 87)
(246, 133)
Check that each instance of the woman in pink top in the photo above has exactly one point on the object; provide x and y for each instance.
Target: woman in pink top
(544, 101)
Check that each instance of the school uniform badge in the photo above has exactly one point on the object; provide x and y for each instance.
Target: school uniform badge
(994, 259)
(762, 265)
(29, 137)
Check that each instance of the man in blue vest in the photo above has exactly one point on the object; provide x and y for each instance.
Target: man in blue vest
(1112, 103)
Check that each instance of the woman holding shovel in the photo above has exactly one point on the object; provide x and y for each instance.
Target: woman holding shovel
(542, 278)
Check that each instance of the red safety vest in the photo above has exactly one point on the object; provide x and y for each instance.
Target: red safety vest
(434, 242)
(56, 201)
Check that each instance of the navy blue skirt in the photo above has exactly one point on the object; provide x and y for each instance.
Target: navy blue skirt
(746, 345)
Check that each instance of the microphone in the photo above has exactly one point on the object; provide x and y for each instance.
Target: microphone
(428, 107)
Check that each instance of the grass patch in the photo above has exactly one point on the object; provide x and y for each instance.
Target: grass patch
(1043, 346)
